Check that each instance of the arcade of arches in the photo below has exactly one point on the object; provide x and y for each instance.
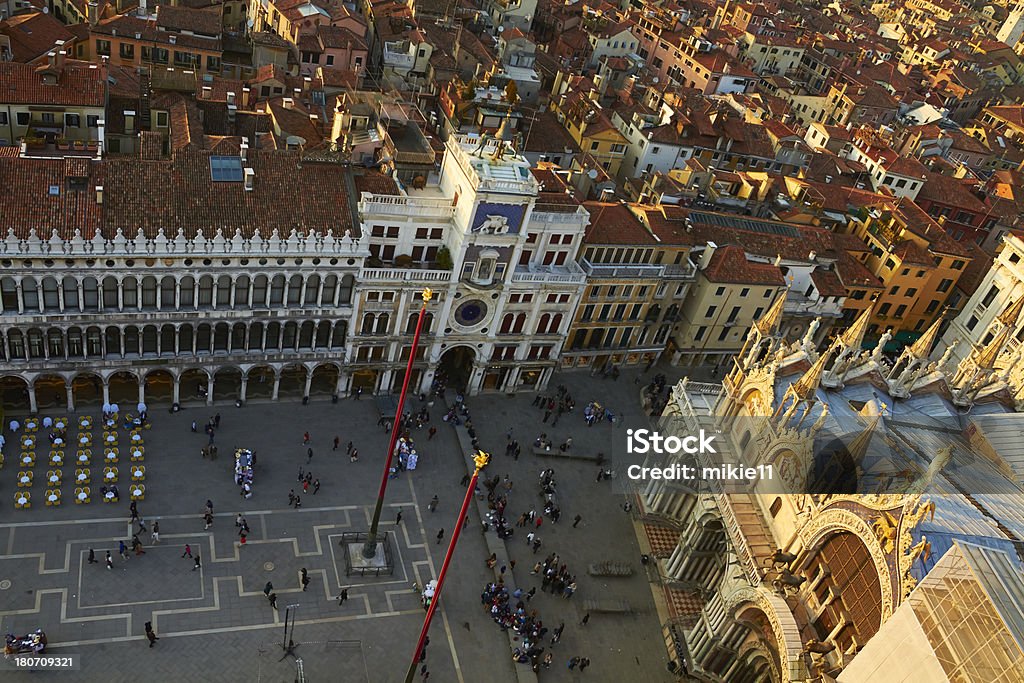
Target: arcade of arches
(241, 383)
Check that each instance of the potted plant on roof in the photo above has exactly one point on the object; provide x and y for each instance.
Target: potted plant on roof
(63, 144)
(78, 145)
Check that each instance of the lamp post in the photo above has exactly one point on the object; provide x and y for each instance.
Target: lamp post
(370, 549)
(480, 461)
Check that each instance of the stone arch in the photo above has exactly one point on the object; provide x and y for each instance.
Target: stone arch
(294, 290)
(132, 340)
(150, 340)
(55, 342)
(149, 292)
(242, 283)
(90, 294)
(227, 383)
(50, 389)
(781, 623)
(167, 292)
(293, 380)
(273, 335)
(339, 334)
(324, 379)
(307, 332)
(112, 339)
(30, 294)
(312, 290)
(51, 295)
(204, 339)
(192, 383)
(130, 292)
(221, 337)
(70, 286)
(14, 392)
(238, 337)
(86, 390)
(9, 294)
(322, 337)
(168, 339)
(255, 336)
(123, 389)
(289, 335)
(260, 381)
(345, 291)
(159, 386)
(836, 520)
(187, 292)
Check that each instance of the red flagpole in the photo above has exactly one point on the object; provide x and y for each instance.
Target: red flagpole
(480, 461)
(370, 548)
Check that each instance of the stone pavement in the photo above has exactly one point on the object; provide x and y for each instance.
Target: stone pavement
(215, 623)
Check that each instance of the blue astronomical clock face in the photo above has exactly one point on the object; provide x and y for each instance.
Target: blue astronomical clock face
(470, 313)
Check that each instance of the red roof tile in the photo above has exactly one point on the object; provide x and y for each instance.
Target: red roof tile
(730, 264)
(76, 85)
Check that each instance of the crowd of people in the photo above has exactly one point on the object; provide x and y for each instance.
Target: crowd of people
(655, 394)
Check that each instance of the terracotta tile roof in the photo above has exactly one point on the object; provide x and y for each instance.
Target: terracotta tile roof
(76, 85)
(944, 189)
(33, 34)
(911, 252)
(180, 194)
(547, 135)
(338, 37)
(730, 264)
(827, 282)
(613, 223)
(29, 204)
(149, 32)
(206, 22)
(375, 182)
(852, 272)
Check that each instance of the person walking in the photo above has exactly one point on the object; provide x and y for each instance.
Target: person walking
(305, 438)
(194, 427)
(539, 521)
(137, 546)
(291, 497)
(208, 518)
(197, 564)
(573, 662)
(305, 486)
(242, 535)
(586, 618)
(298, 502)
(398, 518)
(337, 440)
(267, 589)
(150, 634)
(304, 579)
(188, 551)
(576, 520)
(238, 519)
(348, 448)
(316, 486)
(432, 506)
(584, 663)
(142, 526)
(353, 455)
(440, 536)
(216, 421)
(309, 455)
(272, 599)
(110, 561)
(342, 597)
(465, 479)
(92, 556)
(359, 392)
(123, 550)
(156, 533)
(431, 432)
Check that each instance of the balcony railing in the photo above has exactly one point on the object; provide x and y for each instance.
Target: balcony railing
(393, 205)
(562, 274)
(405, 275)
(638, 270)
(816, 307)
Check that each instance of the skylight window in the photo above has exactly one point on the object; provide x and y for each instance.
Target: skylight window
(226, 169)
(54, 190)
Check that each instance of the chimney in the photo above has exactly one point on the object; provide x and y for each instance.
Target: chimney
(593, 94)
(246, 90)
(288, 103)
(297, 94)
(250, 179)
(92, 12)
(207, 91)
(307, 84)
(705, 257)
(336, 126)
(243, 149)
(231, 97)
(99, 194)
(232, 110)
(51, 59)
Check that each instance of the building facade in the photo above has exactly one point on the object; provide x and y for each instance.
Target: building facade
(503, 294)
